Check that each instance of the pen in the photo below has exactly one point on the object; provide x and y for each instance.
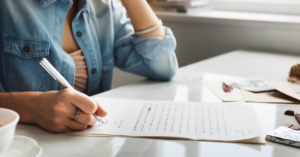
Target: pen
(60, 79)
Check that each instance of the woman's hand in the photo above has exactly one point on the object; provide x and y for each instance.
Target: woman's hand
(55, 110)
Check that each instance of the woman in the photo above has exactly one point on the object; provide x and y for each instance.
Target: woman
(83, 40)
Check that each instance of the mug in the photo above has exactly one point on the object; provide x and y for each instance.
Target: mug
(8, 122)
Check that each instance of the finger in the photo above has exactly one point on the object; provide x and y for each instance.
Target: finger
(66, 129)
(71, 111)
(84, 118)
(75, 125)
(60, 130)
(87, 119)
(84, 103)
(56, 129)
(100, 111)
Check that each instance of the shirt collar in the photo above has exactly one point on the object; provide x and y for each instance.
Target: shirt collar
(47, 2)
(84, 6)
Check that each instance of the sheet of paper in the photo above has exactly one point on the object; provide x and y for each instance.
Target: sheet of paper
(167, 119)
(268, 97)
(284, 88)
(254, 85)
(216, 88)
(284, 93)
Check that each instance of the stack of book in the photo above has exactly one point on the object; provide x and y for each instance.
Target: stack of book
(184, 6)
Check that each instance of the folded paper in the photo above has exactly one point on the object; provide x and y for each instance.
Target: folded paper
(216, 88)
(284, 93)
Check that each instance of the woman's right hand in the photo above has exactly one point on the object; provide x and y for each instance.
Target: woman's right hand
(55, 110)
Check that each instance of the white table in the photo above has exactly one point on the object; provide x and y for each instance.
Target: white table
(186, 87)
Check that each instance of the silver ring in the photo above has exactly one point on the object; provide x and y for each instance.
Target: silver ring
(77, 115)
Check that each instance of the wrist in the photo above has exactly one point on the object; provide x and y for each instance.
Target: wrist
(33, 100)
(36, 103)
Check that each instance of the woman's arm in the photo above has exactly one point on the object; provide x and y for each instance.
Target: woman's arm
(54, 110)
(21, 102)
(142, 17)
(151, 56)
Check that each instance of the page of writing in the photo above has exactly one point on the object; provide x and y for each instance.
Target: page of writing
(227, 122)
(199, 121)
(120, 117)
(166, 119)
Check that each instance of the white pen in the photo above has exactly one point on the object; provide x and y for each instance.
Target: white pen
(60, 79)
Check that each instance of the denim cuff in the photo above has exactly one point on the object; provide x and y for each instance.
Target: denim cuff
(155, 47)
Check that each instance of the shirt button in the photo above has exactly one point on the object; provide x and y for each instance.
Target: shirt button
(26, 49)
(79, 34)
(94, 71)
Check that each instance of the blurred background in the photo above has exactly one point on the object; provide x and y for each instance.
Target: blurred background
(206, 28)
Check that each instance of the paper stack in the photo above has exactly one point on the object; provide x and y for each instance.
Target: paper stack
(185, 6)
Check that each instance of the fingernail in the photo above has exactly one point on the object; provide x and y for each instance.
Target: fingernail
(105, 113)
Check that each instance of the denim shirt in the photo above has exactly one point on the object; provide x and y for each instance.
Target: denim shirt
(32, 29)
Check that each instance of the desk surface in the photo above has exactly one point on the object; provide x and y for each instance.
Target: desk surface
(186, 86)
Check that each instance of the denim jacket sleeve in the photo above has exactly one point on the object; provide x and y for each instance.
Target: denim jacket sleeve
(151, 57)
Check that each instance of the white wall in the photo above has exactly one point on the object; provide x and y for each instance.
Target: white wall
(200, 41)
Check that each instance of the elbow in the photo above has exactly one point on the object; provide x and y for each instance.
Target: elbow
(167, 75)
(165, 70)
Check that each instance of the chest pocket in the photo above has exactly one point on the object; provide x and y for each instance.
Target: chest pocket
(21, 62)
